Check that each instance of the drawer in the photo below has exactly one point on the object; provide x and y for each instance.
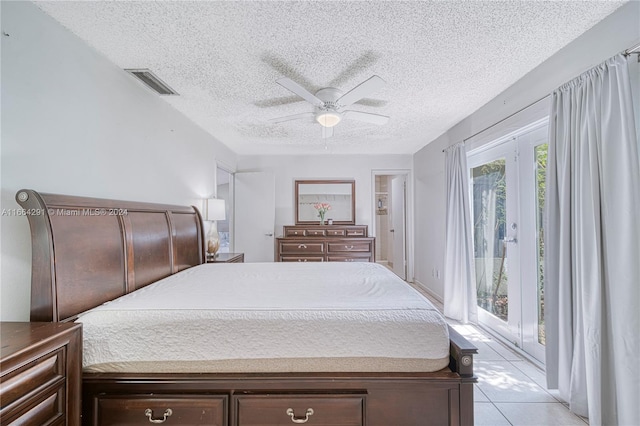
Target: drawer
(348, 258)
(301, 247)
(356, 232)
(48, 409)
(336, 232)
(184, 410)
(325, 410)
(31, 377)
(315, 233)
(294, 232)
(301, 259)
(348, 246)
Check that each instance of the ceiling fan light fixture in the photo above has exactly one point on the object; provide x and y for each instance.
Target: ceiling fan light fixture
(328, 118)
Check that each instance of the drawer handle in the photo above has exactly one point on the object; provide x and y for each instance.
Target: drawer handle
(302, 246)
(149, 413)
(300, 419)
(349, 247)
(300, 260)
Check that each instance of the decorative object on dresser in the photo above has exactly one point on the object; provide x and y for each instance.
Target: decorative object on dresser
(338, 196)
(226, 258)
(328, 243)
(40, 373)
(214, 211)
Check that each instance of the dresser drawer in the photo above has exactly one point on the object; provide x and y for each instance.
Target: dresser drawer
(33, 376)
(288, 232)
(315, 233)
(181, 410)
(301, 259)
(325, 410)
(45, 409)
(301, 247)
(356, 232)
(348, 246)
(340, 232)
(348, 258)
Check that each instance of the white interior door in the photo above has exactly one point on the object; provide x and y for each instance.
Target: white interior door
(255, 214)
(397, 231)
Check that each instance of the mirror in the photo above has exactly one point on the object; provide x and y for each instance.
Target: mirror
(339, 194)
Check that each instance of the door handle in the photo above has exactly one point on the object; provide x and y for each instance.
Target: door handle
(269, 235)
(510, 240)
(392, 230)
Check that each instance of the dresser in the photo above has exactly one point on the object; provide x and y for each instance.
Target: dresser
(325, 243)
(40, 373)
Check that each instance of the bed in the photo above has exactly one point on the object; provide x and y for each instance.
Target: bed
(253, 344)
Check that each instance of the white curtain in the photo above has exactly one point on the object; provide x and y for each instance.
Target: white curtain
(592, 247)
(459, 276)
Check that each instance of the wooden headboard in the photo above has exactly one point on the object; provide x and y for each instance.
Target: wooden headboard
(86, 251)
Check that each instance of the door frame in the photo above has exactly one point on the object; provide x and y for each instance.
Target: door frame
(524, 331)
(408, 217)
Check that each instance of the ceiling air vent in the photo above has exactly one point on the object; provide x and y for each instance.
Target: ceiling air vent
(152, 81)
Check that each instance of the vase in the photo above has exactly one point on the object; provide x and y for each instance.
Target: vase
(321, 218)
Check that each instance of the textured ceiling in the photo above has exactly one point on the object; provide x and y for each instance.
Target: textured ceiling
(442, 60)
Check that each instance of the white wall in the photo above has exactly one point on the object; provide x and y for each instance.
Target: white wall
(288, 169)
(74, 123)
(613, 35)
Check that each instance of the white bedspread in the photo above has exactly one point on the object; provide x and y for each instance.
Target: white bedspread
(266, 311)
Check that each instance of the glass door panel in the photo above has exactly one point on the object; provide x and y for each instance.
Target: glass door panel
(489, 227)
(493, 187)
(540, 152)
(533, 165)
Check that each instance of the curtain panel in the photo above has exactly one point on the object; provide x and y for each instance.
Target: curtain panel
(592, 246)
(459, 272)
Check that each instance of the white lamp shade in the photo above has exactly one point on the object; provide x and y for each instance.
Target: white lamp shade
(328, 119)
(215, 209)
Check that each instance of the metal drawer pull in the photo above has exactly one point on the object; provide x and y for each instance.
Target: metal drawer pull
(302, 246)
(298, 419)
(349, 247)
(149, 413)
(300, 260)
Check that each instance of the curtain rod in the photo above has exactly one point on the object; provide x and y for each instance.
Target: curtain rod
(506, 118)
(633, 50)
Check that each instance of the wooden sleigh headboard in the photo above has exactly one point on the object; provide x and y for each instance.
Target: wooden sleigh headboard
(86, 251)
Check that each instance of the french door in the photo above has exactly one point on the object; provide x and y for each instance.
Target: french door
(507, 196)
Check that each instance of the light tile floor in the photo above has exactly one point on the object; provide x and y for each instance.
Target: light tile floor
(511, 390)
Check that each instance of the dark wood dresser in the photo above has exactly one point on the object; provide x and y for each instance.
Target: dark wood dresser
(40, 373)
(325, 243)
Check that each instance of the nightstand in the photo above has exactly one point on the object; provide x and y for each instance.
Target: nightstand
(226, 258)
(40, 373)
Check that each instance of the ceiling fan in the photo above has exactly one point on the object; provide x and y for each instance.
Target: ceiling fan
(330, 104)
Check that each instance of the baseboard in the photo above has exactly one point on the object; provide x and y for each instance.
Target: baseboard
(428, 290)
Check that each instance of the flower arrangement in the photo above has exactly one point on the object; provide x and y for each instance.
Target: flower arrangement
(322, 209)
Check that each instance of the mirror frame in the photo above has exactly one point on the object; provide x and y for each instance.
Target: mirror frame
(325, 182)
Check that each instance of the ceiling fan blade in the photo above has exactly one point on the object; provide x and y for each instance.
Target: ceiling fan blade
(327, 132)
(292, 117)
(361, 90)
(291, 85)
(367, 117)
